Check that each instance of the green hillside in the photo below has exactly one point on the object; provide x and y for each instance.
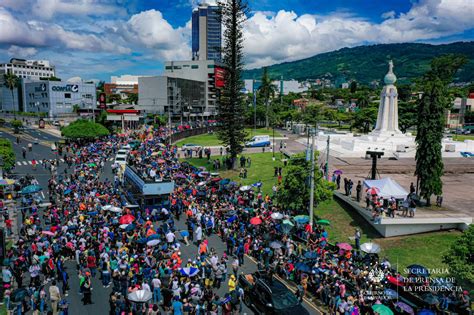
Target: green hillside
(368, 63)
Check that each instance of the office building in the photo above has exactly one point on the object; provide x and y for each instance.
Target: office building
(206, 33)
(57, 98)
(28, 69)
(210, 72)
(183, 98)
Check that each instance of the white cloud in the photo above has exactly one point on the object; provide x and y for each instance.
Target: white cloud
(21, 52)
(41, 34)
(287, 36)
(388, 15)
(150, 30)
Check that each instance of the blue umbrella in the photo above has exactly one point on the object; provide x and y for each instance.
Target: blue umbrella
(153, 237)
(31, 189)
(311, 255)
(286, 228)
(257, 184)
(426, 312)
(142, 240)
(224, 181)
(67, 191)
(302, 267)
(232, 219)
(184, 233)
(189, 271)
(301, 219)
(93, 213)
(130, 228)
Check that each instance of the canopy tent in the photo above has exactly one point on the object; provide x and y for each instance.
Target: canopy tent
(387, 188)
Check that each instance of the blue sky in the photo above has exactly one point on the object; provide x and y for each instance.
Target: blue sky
(95, 39)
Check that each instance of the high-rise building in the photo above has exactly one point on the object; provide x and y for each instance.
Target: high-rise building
(206, 33)
(28, 69)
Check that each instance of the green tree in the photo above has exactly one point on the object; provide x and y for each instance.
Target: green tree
(11, 81)
(313, 114)
(430, 123)
(353, 87)
(84, 129)
(132, 98)
(295, 190)
(365, 118)
(7, 154)
(76, 108)
(267, 90)
(407, 115)
(460, 256)
(16, 124)
(363, 101)
(231, 104)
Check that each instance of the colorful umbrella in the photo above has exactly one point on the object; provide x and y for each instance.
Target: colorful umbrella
(344, 246)
(373, 190)
(301, 219)
(405, 307)
(126, 219)
(180, 175)
(370, 248)
(153, 242)
(395, 281)
(255, 221)
(390, 294)
(288, 222)
(189, 271)
(30, 189)
(338, 172)
(6, 182)
(277, 216)
(323, 222)
(140, 296)
(382, 309)
(49, 233)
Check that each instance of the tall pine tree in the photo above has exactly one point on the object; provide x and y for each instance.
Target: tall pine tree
(231, 104)
(431, 121)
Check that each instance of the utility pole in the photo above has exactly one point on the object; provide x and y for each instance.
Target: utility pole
(327, 158)
(311, 196)
(254, 107)
(169, 126)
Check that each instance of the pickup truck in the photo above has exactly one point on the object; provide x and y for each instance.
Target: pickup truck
(269, 296)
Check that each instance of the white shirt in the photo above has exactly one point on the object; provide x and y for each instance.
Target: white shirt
(156, 283)
(146, 287)
(170, 237)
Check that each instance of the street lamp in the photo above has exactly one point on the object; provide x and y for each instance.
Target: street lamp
(1, 167)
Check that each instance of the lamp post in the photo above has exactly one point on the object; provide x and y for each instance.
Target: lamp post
(1, 167)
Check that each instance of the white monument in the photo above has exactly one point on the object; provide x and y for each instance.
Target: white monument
(386, 136)
(387, 118)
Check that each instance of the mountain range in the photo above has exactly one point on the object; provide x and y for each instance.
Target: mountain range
(370, 63)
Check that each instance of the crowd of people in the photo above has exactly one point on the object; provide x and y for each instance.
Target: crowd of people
(90, 227)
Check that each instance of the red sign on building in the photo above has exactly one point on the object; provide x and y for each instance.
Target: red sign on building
(102, 101)
(219, 77)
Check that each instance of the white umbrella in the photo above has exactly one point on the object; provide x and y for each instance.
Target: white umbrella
(44, 204)
(277, 216)
(115, 209)
(245, 188)
(123, 226)
(201, 183)
(370, 248)
(131, 206)
(153, 242)
(107, 207)
(276, 245)
(140, 296)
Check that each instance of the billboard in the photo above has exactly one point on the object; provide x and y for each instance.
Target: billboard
(219, 77)
(102, 101)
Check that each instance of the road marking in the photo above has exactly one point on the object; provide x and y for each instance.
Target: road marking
(62, 160)
(29, 162)
(18, 163)
(25, 163)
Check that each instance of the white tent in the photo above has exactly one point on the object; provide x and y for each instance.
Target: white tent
(387, 188)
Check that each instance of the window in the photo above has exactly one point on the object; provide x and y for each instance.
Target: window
(210, 66)
(67, 95)
(168, 67)
(195, 67)
(177, 67)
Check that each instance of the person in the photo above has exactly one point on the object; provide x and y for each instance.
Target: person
(198, 234)
(349, 187)
(358, 191)
(54, 296)
(338, 181)
(87, 290)
(33, 164)
(23, 153)
(177, 306)
(232, 283)
(412, 188)
(30, 147)
(357, 238)
(156, 284)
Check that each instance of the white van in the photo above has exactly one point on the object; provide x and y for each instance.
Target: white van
(121, 159)
(259, 141)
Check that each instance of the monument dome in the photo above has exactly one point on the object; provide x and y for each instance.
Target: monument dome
(390, 77)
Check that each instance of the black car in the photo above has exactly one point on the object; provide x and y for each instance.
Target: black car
(269, 296)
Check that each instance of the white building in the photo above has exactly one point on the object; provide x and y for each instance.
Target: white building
(125, 79)
(28, 69)
(208, 71)
(289, 86)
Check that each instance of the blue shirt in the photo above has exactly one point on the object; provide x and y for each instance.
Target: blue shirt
(177, 305)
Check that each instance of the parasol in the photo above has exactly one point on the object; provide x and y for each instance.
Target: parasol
(19, 295)
(338, 172)
(370, 248)
(255, 221)
(49, 233)
(126, 219)
(323, 222)
(140, 296)
(302, 267)
(31, 189)
(382, 309)
(344, 246)
(395, 281)
(245, 188)
(277, 216)
(6, 182)
(311, 255)
(288, 222)
(276, 245)
(189, 271)
(301, 219)
(390, 294)
(153, 242)
(405, 307)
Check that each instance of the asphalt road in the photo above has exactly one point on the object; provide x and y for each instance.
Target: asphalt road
(100, 295)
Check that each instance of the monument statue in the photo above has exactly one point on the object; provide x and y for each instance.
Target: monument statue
(387, 118)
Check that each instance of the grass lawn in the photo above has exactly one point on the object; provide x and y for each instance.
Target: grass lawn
(211, 139)
(425, 249)
(261, 169)
(463, 137)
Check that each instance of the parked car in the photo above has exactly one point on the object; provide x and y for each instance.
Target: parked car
(269, 296)
(121, 159)
(190, 146)
(56, 123)
(122, 152)
(259, 141)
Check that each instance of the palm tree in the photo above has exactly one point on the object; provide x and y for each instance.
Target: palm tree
(11, 82)
(268, 90)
